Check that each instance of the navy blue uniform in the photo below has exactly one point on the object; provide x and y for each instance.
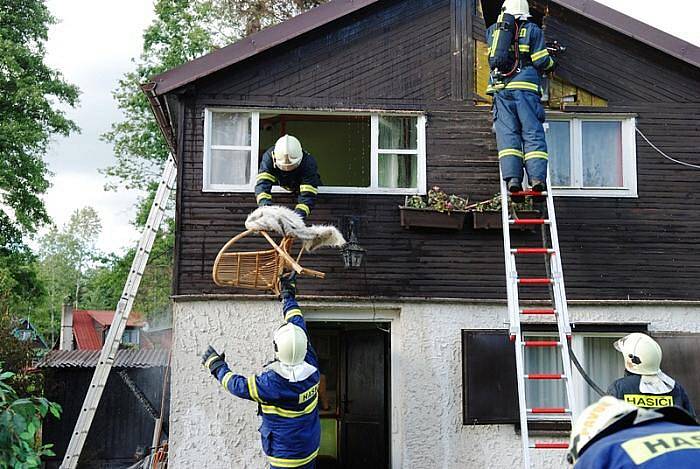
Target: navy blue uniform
(517, 111)
(291, 429)
(303, 181)
(627, 389)
(654, 445)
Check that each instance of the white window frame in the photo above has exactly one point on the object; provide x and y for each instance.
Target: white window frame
(629, 155)
(375, 151)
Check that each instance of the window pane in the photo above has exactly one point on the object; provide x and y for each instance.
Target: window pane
(398, 171)
(559, 148)
(230, 128)
(340, 144)
(602, 154)
(229, 167)
(544, 393)
(603, 364)
(398, 133)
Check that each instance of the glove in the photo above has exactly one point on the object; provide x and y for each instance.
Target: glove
(212, 360)
(288, 285)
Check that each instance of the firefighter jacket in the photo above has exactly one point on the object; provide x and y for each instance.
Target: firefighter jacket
(302, 181)
(652, 445)
(291, 429)
(534, 60)
(627, 389)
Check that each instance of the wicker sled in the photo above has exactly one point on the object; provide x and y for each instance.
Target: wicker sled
(258, 270)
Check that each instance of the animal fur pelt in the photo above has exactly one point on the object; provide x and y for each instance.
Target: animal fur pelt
(281, 220)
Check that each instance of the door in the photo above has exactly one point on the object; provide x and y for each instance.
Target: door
(354, 395)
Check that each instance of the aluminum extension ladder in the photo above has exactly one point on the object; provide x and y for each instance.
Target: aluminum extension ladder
(555, 282)
(121, 314)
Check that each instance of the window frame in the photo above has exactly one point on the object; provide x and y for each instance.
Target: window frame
(629, 155)
(375, 151)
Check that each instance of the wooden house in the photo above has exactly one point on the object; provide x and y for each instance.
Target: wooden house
(389, 97)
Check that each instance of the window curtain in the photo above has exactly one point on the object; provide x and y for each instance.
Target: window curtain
(603, 364)
(544, 393)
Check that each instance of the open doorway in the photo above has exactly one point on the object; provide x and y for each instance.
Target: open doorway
(354, 394)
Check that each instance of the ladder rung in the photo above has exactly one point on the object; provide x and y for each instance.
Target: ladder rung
(535, 281)
(538, 311)
(528, 194)
(548, 410)
(544, 376)
(532, 251)
(549, 445)
(529, 221)
(541, 343)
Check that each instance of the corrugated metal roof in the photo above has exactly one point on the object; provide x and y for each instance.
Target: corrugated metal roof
(148, 358)
(86, 337)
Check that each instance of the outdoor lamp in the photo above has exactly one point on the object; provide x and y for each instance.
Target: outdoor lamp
(353, 253)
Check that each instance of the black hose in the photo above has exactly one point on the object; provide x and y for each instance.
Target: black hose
(585, 376)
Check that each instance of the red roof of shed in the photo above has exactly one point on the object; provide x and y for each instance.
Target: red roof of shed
(87, 322)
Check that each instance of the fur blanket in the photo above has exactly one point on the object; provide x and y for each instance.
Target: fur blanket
(281, 220)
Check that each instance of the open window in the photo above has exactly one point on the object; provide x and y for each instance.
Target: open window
(376, 153)
(592, 155)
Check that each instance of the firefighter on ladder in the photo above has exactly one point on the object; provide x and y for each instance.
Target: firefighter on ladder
(286, 391)
(613, 434)
(290, 167)
(518, 56)
(644, 384)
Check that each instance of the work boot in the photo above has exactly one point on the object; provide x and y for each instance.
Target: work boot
(538, 185)
(514, 185)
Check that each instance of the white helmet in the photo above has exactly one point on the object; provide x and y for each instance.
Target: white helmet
(593, 420)
(517, 8)
(287, 153)
(290, 344)
(642, 354)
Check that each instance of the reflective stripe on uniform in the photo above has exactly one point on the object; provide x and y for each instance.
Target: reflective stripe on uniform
(263, 195)
(550, 63)
(497, 33)
(284, 462)
(227, 378)
(642, 449)
(253, 389)
(538, 55)
(308, 188)
(510, 152)
(524, 47)
(266, 176)
(649, 401)
(291, 313)
(271, 409)
(303, 207)
(522, 85)
(210, 360)
(536, 154)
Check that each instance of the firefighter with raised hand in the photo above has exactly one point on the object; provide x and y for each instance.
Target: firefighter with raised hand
(286, 391)
(290, 167)
(612, 434)
(518, 56)
(644, 384)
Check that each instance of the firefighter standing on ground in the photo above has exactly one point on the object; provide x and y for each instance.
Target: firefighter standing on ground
(644, 384)
(514, 84)
(612, 434)
(286, 391)
(290, 167)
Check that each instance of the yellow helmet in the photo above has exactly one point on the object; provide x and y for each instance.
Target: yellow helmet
(642, 354)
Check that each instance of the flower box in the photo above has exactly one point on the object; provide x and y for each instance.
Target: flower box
(427, 218)
(493, 219)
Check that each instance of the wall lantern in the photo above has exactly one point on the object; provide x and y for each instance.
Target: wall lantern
(353, 253)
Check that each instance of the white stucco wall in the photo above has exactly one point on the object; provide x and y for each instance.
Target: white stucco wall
(210, 428)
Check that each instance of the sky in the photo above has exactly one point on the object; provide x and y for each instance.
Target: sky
(93, 45)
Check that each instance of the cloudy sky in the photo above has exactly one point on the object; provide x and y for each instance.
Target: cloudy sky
(93, 45)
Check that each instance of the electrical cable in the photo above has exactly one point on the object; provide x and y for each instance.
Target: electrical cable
(694, 166)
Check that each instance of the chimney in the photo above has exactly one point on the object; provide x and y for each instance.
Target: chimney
(66, 342)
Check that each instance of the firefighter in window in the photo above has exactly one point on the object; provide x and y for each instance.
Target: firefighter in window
(644, 384)
(612, 434)
(286, 391)
(518, 56)
(288, 166)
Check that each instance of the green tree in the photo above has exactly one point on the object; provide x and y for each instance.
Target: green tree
(65, 255)
(17, 356)
(30, 93)
(20, 422)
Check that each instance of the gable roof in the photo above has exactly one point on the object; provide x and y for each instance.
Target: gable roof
(85, 332)
(335, 9)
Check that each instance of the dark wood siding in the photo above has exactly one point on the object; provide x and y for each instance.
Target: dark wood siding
(398, 56)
